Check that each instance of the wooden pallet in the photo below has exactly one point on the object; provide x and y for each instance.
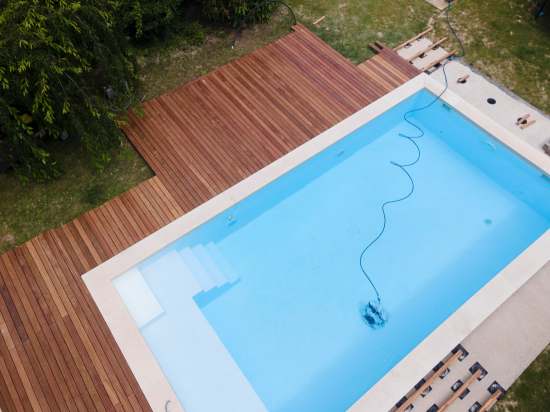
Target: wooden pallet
(56, 351)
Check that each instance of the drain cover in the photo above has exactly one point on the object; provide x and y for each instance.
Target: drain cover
(488, 222)
(490, 100)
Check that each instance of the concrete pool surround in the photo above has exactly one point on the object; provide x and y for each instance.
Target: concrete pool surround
(384, 394)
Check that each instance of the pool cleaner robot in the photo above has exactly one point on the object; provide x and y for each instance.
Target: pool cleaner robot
(374, 315)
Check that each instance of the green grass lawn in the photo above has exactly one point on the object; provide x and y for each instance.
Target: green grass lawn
(501, 37)
(30, 209)
(531, 392)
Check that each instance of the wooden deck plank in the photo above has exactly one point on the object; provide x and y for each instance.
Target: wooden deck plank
(257, 158)
(243, 126)
(154, 159)
(108, 249)
(141, 219)
(97, 244)
(67, 279)
(247, 111)
(286, 135)
(155, 217)
(18, 354)
(287, 96)
(56, 350)
(72, 306)
(46, 368)
(10, 397)
(90, 241)
(176, 110)
(127, 219)
(355, 84)
(57, 324)
(166, 198)
(212, 125)
(189, 165)
(267, 105)
(160, 200)
(224, 154)
(200, 183)
(330, 112)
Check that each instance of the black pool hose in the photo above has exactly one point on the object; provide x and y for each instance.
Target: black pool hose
(403, 166)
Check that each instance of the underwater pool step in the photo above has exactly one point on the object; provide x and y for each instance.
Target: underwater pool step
(138, 297)
(197, 269)
(222, 262)
(209, 265)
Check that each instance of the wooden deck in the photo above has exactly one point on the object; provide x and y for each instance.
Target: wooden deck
(207, 135)
(56, 351)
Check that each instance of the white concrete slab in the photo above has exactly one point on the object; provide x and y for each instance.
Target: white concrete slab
(508, 108)
(505, 344)
(440, 4)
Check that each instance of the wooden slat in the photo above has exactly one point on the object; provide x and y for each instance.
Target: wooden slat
(490, 401)
(429, 381)
(528, 124)
(439, 60)
(413, 39)
(56, 350)
(520, 120)
(427, 49)
(459, 391)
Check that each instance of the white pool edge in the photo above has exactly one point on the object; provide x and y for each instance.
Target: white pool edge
(382, 396)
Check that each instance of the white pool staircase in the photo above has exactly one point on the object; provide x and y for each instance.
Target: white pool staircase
(208, 265)
(201, 371)
(205, 263)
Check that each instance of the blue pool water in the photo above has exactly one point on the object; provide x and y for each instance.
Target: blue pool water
(262, 311)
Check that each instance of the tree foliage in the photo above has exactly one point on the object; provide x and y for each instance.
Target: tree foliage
(235, 11)
(54, 55)
(150, 19)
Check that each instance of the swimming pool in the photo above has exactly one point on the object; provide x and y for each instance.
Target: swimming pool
(259, 308)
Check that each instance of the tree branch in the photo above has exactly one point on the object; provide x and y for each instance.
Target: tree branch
(87, 98)
(61, 84)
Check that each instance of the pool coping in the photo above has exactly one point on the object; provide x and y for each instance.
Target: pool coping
(402, 377)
